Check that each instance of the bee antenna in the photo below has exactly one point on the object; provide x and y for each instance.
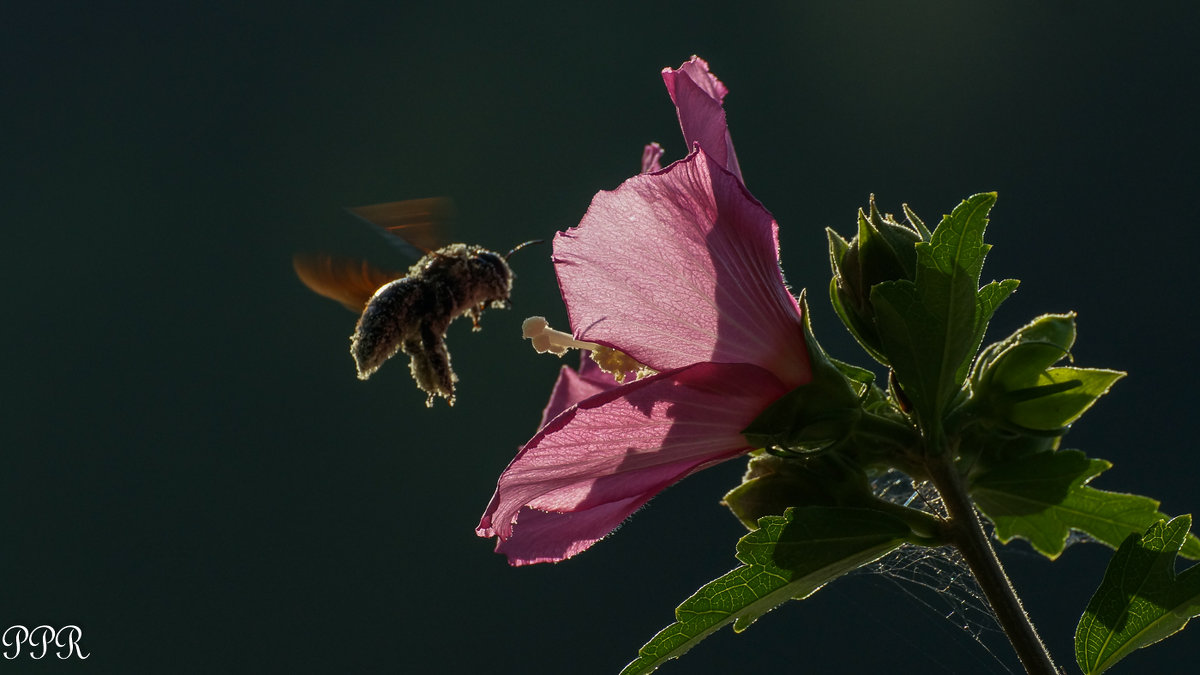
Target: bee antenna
(520, 246)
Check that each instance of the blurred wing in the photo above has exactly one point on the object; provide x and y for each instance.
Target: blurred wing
(413, 225)
(350, 282)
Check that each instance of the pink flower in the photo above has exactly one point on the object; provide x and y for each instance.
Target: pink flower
(677, 269)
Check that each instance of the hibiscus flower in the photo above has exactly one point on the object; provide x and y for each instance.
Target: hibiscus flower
(676, 274)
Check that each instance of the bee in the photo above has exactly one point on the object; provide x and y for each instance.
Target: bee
(411, 311)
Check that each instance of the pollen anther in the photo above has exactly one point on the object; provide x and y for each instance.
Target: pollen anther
(546, 339)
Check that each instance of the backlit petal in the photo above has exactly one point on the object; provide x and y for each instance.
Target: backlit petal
(679, 267)
(595, 464)
(698, 97)
(574, 386)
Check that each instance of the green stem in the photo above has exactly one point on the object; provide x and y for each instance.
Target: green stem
(966, 532)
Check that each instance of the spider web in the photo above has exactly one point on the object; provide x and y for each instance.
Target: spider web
(939, 580)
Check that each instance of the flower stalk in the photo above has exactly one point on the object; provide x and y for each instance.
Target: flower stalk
(965, 531)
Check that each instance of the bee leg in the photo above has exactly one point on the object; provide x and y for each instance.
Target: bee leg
(431, 365)
(476, 312)
(380, 329)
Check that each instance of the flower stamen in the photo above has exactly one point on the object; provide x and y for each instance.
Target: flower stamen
(545, 339)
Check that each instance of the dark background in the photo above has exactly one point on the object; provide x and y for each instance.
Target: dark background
(193, 475)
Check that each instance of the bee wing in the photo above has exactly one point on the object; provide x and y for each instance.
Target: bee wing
(413, 225)
(350, 282)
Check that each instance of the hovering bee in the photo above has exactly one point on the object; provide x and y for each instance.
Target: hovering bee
(412, 311)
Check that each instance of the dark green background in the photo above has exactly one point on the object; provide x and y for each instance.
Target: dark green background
(192, 473)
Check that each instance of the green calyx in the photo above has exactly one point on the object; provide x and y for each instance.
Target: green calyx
(824, 414)
(818, 441)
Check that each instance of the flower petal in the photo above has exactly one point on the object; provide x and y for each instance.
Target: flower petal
(542, 539)
(598, 462)
(574, 386)
(679, 267)
(698, 97)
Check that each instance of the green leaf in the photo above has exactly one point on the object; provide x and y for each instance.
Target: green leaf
(1042, 497)
(986, 303)
(1141, 600)
(928, 326)
(789, 556)
(854, 373)
(1061, 405)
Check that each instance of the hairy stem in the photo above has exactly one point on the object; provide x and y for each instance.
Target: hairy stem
(966, 532)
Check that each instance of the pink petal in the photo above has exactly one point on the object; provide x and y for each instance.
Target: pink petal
(547, 537)
(651, 158)
(679, 267)
(598, 462)
(574, 386)
(698, 97)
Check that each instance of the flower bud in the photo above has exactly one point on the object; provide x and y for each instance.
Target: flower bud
(1015, 386)
(772, 484)
(883, 250)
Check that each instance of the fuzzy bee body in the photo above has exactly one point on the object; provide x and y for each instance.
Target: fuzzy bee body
(411, 312)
